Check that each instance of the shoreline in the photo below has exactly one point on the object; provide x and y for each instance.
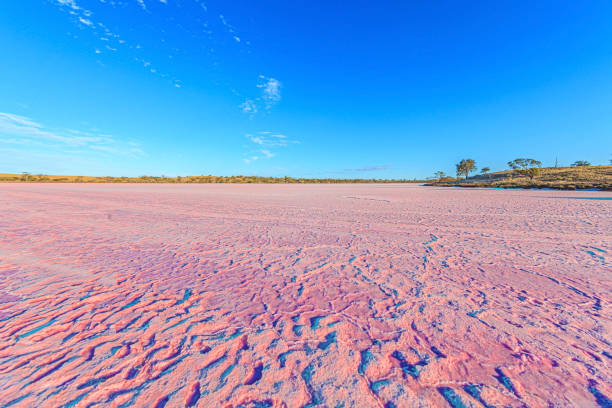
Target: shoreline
(522, 187)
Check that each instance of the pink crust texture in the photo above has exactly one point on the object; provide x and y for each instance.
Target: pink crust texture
(304, 296)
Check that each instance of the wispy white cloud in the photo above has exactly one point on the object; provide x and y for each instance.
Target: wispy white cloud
(69, 3)
(270, 139)
(202, 4)
(264, 142)
(20, 130)
(270, 95)
(229, 28)
(259, 154)
(208, 29)
(249, 106)
(110, 41)
(268, 154)
(256, 139)
(271, 90)
(85, 21)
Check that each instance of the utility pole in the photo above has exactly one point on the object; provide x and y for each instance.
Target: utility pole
(556, 162)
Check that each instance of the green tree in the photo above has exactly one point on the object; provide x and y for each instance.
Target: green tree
(485, 170)
(524, 164)
(465, 167)
(440, 175)
(581, 163)
(533, 172)
(528, 167)
(533, 163)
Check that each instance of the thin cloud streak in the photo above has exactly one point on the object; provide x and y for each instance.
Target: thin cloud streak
(20, 130)
(265, 141)
(270, 139)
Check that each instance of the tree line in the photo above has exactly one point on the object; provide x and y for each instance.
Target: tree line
(529, 167)
(202, 179)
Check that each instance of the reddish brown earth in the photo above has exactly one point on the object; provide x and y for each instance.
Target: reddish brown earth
(303, 295)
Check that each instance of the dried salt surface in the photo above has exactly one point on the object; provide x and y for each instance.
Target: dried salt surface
(303, 295)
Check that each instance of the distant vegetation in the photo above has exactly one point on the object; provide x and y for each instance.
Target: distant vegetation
(524, 164)
(42, 178)
(465, 167)
(528, 167)
(581, 163)
(523, 173)
(528, 173)
(440, 175)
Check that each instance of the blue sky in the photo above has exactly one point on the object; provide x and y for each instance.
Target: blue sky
(302, 88)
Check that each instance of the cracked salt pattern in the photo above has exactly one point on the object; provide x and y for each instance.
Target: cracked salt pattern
(303, 296)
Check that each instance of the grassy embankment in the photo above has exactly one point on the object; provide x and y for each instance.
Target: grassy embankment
(43, 178)
(563, 178)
